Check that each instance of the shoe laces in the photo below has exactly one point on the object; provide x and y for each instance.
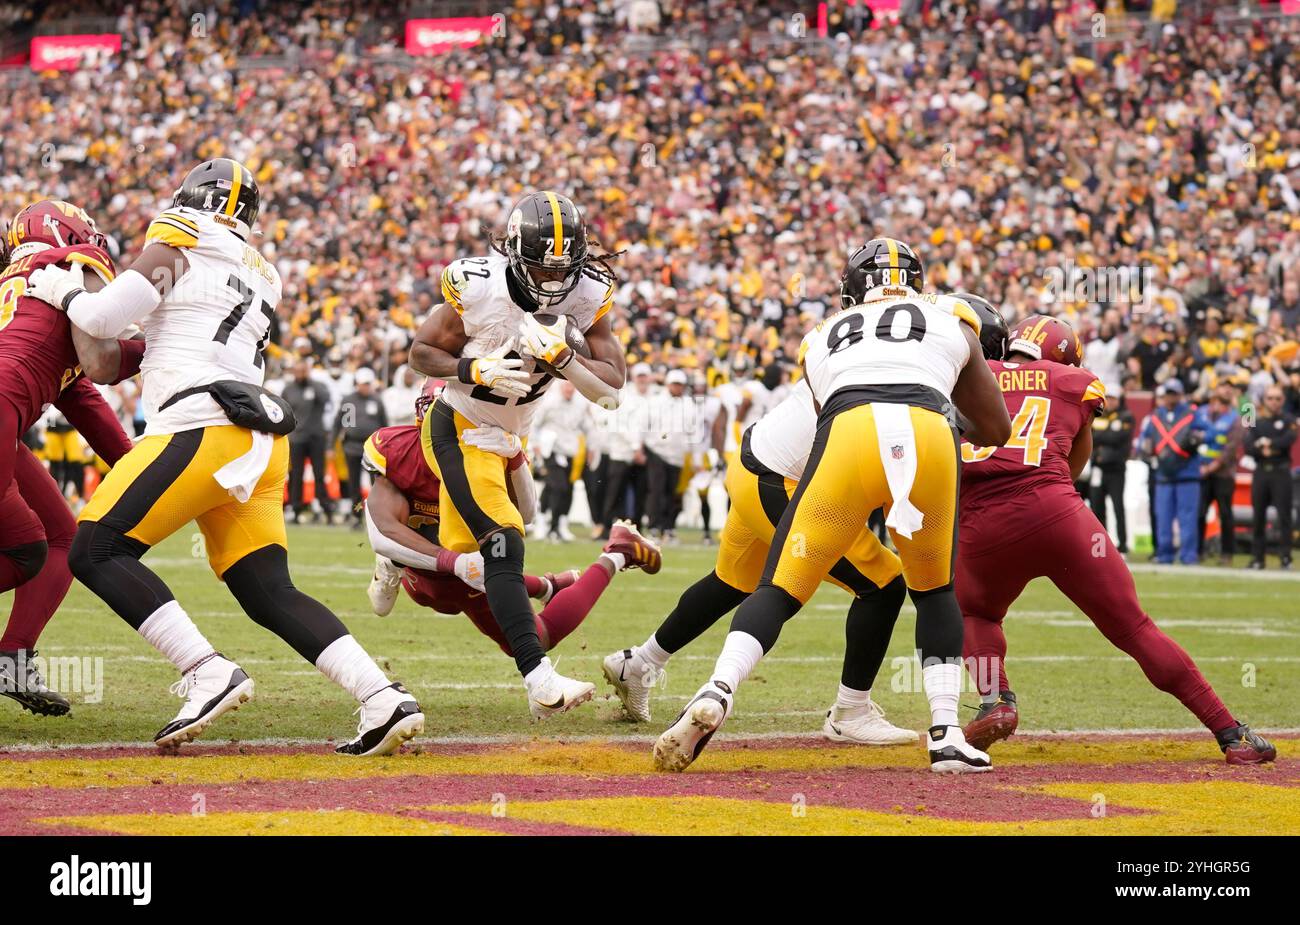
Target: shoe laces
(183, 687)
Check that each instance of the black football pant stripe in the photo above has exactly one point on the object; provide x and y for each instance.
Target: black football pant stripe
(445, 443)
(153, 481)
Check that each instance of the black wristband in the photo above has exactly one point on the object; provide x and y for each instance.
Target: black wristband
(67, 299)
(567, 360)
(465, 371)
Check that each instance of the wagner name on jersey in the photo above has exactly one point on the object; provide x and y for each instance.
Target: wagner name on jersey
(213, 325)
(912, 344)
(477, 288)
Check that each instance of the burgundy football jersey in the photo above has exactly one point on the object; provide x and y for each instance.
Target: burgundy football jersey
(396, 454)
(37, 358)
(1008, 490)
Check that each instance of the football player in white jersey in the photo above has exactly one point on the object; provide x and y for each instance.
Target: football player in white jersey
(884, 373)
(214, 451)
(760, 481)
(498, 358)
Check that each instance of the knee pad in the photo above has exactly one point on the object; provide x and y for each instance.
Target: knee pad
(503, 553)
(255, 579)
(96, 543)
(29, 558)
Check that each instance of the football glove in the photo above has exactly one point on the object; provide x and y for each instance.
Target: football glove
(503, 376)
(546, 341)
(494, 440)
(56, 286)
(469, 569)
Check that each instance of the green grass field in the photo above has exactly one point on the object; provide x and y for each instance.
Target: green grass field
(1243, 632)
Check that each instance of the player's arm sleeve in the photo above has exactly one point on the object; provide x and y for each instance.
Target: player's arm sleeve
(372, 459)
(126, 300)
(87, 411)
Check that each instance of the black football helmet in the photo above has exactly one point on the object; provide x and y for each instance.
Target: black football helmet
(993, 327)
(227, 189)
(546, 244)
(880, 262)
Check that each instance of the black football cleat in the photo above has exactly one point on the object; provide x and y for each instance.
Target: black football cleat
(389, 717)
(1241, 746)
(994, 722)
(21, 681)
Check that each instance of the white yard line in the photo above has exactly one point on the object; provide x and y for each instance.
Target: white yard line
(613, 738)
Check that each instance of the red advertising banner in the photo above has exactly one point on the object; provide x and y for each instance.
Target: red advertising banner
(68, 52)
(438, 36)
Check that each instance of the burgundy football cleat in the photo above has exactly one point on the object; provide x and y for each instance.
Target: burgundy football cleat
(994, 722)
(1241, 746)
(640, 552)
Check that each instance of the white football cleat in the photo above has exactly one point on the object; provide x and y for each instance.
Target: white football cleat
(950, 753)
(389, 717)
(554, 693)
(632, 678)
(864, 726)
(683, 741)
(214, 686)
(384, 585)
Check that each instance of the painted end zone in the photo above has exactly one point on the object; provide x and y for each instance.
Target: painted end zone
(1094, 785)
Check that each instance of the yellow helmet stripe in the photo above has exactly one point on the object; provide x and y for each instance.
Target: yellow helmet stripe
(559, 226)
(236, 182)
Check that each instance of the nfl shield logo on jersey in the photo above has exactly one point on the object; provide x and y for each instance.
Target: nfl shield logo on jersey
(896, 451)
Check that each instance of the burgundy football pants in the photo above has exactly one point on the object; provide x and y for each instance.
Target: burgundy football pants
(1076, 553)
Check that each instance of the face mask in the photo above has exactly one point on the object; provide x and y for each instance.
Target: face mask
(553, 290)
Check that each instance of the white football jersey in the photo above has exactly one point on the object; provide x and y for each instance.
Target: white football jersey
(733, 395)
(476, 287)
(782, 439)
(213, 325)
(895, 340)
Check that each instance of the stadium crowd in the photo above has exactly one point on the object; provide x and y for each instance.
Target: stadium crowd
(1027, 156)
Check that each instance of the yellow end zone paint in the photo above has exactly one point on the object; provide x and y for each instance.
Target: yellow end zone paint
(288, 822)
(586, 758)
(1218, 808)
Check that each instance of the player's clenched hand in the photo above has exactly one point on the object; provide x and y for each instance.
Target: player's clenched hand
(494, 440)
(545, 341)
(469, 569)
(53, 284)
(500, 374)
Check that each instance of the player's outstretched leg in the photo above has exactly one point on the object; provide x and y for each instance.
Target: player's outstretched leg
(261, 583)
(1102, 587)
(568, 606)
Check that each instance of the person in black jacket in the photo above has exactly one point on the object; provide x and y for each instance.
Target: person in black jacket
(1269, 441)
(1112, 439)
(308, 398)
(360, 415)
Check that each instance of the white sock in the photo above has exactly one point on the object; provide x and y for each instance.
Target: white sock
(616, 559)
(740, 653)
(943, 690)
(652, 653)
(350, 667)
(539, 674)
(170, 630)
(991, 697)
(850, 699)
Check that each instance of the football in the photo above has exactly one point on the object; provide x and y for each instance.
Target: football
(572, 336)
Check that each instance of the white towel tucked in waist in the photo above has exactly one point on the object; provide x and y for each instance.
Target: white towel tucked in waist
(241, 475)
(897, 442)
